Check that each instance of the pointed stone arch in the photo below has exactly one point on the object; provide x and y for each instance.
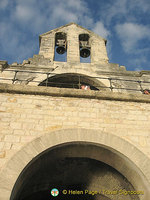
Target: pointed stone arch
(127, 159)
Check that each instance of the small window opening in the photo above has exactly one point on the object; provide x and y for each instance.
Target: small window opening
(70, 81)
(85, 49)
(60, 47)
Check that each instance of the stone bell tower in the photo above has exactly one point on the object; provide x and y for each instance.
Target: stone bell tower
(71, 120)
(75, 41)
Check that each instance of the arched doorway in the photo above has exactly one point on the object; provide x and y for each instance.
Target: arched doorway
(75, 159)
(71, 169)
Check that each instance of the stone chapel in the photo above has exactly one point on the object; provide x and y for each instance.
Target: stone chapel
(73, 121)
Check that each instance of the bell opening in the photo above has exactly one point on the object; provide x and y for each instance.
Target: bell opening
(60, 47)
(84, 47)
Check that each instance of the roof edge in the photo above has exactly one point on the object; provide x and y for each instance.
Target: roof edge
(77, 26)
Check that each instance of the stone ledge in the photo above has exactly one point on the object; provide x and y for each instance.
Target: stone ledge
(76, 93)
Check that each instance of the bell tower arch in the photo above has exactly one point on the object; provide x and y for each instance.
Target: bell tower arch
(77, 41)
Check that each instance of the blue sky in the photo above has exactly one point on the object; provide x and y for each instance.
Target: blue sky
(124, 23)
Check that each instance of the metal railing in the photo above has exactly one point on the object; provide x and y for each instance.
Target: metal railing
(76, 85)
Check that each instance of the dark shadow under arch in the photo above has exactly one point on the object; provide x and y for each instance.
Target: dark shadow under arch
(73, 80)
(69, 167)
(110, 149)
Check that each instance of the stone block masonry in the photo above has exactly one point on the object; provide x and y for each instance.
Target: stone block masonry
(109, 123)
(24, 117)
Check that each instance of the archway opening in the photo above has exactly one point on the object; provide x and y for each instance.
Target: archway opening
(71, 170)
(72, 80)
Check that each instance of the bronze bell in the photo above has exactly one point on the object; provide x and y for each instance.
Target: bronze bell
(84, 52)
(60, 50)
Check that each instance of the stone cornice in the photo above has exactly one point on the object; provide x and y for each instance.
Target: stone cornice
(73, 93)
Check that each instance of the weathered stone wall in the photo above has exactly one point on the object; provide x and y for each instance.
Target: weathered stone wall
(98, 47)
(24, 117)
(116, 118)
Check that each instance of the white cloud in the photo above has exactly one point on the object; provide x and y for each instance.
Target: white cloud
(24, 13)
(72, 11)
(130, 34)
(78, 5)
(100, 29)
(62, 14)
(127, 10)
(114, 9)
(30, 18)
(15, 43)
(26, 19)
(142, 5)
(138, 61)
(37, 16)
(3, 4)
